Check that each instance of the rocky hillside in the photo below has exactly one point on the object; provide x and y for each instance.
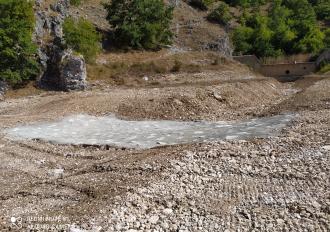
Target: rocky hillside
(190, 26)
(62, 70)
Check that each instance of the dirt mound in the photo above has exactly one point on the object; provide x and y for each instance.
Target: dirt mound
(313, 93)
(209, 100)
(212, 102)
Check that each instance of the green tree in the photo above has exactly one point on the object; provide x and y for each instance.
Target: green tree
(312, 42)
(303, 23)
(140, 23)
(327, 38)
(262, 37)
(290, 27)
(283, 36)
(242, 37)
(220, 14)
(82, 37)
(322, 10)
(17, 51)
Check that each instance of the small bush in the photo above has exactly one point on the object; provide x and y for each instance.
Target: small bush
(75, 2)
(202, 4)
(325, 68)
(140, 23)
(177, 66)
(220, 14)
(218, 61)
(327, 38)
(82, 37)
(18, 60)
(150, 67)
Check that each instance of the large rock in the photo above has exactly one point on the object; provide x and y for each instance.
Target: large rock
(72, 71)
(3, 89)
(65, 71)
(61, 70)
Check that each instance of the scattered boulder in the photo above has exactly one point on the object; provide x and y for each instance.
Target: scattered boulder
(56, 173)
(72, 69)
(218, 97)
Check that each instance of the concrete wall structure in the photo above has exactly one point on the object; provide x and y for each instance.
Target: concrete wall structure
(285, 70)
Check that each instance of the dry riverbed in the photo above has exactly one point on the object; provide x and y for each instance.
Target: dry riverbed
(271, 184)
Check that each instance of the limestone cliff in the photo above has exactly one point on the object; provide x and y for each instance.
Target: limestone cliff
(48, 35)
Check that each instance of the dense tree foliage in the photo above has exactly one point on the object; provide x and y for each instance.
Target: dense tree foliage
(327, 38)
(290, 27)
(17, 52)
(140, 23)
(82, 37)
(322, 9)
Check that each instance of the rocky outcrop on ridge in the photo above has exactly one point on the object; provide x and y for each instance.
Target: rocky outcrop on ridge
(48, 35)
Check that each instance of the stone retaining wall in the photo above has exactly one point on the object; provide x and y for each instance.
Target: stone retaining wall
(278, 70)
(288, 70)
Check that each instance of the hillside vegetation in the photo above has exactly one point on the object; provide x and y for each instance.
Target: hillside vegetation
(266, 28)
(140, 23)
(82, 36)
(280, 27)
(17, 52)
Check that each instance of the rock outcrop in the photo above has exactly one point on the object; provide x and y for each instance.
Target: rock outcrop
(48, 34)
(3, 89)
(72, 71)
(324, 57)
(221, 45)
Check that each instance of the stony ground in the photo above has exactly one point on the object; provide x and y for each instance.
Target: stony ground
(275, 184)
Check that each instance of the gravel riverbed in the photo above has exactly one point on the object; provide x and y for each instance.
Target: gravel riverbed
(262, 184)
(276, 184)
